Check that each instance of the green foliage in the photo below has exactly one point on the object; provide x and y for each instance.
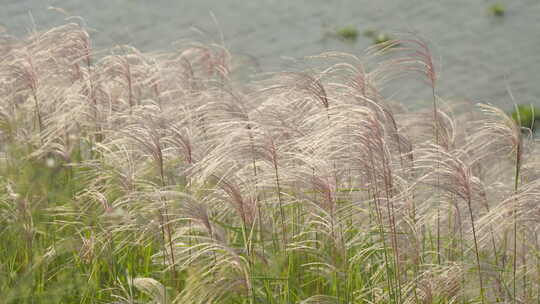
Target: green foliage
(349, 33)
(50, 251)
(379, 38)
(497, 9)
(526, 115)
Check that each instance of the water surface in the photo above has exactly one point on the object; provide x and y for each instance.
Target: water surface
(480, 55)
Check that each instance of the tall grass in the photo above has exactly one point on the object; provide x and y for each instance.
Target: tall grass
(165, 178)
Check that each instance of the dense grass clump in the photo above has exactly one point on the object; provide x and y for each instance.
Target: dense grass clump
(137, 178)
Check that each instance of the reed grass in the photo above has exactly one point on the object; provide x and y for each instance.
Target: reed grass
(164, 178)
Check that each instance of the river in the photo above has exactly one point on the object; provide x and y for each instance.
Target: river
(480, 56)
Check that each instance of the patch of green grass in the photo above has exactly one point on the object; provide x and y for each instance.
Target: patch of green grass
(379, 38)
(526, 115)
(349, 33)
(53, 250)
(497, 9)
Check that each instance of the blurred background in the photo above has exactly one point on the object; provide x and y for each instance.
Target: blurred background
(483, 48)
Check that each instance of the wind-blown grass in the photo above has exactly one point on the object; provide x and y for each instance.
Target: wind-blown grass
(159, 178)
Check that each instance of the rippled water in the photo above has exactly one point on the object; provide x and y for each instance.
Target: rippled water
(481, 56)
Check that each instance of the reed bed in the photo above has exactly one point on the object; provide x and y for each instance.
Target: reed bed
(165, 178)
